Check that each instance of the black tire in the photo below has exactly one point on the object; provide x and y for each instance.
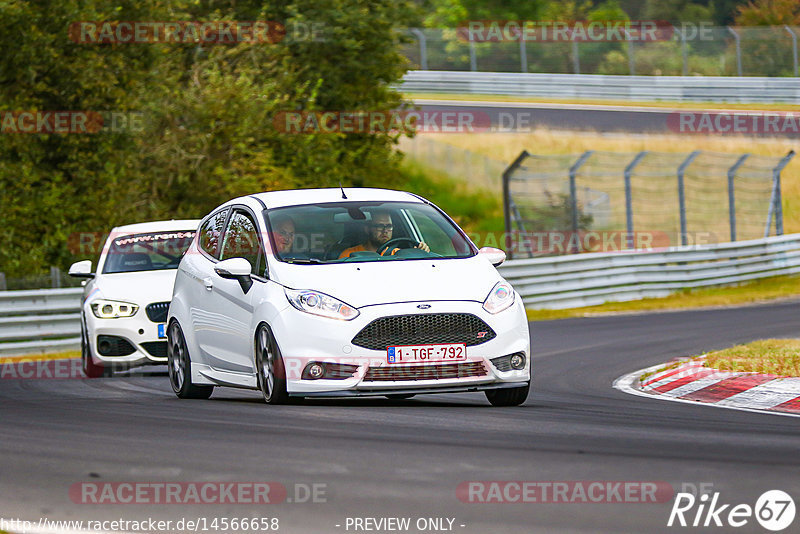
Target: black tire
(90, 369)
(270, 371)
(400, 396)
(508, 396)
(180, 366)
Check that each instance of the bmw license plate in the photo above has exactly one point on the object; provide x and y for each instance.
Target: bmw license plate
(161, 331)
(447, 352)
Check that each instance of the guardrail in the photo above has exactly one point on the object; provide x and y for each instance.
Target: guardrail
(594, 278)
(48, 320)
(40, 320)
(596, 86)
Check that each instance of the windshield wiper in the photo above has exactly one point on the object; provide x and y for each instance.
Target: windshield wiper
(303, 260)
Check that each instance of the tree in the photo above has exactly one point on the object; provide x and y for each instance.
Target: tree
(769, 13)
(208, 132)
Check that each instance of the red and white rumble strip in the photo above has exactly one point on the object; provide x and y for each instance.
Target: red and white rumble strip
(691, 381)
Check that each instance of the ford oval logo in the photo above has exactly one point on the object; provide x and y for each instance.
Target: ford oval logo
(424, 306)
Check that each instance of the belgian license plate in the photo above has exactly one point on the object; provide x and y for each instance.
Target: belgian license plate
(448, 352)
(161, 331)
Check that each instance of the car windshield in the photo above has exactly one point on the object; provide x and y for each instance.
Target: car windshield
(364, 231)
(147, 252)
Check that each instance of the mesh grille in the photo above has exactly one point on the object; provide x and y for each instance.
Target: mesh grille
(424, 372)
(424, 329)
(157, 312)
(114, 346)
(157, 349)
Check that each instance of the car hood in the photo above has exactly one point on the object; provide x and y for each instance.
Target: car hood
(142, 288)
(381, 282)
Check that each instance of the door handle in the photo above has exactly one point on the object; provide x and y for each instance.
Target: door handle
(209, 283)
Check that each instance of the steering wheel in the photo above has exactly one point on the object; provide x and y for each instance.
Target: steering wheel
(392, 242)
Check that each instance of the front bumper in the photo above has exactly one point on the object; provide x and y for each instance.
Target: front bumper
(329, 341)
(138, 331)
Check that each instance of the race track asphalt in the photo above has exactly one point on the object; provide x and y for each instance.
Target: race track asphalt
(522, 116)
(380, 458)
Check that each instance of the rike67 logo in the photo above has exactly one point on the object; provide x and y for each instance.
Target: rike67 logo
(774, 510)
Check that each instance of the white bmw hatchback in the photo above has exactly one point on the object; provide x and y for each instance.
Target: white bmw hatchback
(125, 303)
(343, 292)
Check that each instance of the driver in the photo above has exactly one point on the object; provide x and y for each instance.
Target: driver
(379, 231)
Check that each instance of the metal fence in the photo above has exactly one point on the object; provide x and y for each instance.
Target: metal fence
(43, 320)
(54, 279)
(595, 86)
(598, 200)
(686, 50)
(591, 279)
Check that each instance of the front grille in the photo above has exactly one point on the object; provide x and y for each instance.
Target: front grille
(424, 329)
(157, 312)
(157, 349)
(114, 346)
(424, 372)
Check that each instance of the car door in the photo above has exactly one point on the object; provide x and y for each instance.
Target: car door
(234, 341)
(204, 310)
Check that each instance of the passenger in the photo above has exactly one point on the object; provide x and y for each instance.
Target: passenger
(283, 233)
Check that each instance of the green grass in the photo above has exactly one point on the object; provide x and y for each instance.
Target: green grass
(474, 211)
(758, 291)
(549, 100)
(767, 356)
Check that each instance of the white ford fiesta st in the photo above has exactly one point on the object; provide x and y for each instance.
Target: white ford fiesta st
(125, 303)
(343, 292)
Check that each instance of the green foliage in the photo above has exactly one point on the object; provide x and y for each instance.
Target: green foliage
(769, 13)
(474, 211)
(208, 114)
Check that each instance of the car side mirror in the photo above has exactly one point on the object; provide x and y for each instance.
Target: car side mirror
(81, 269)
(236, 269)
(495, 256)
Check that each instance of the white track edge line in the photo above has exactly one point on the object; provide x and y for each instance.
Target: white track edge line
(624, 384)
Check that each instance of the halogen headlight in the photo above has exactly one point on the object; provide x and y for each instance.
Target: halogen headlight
(320, 304)
(112, 309)
(500, 297)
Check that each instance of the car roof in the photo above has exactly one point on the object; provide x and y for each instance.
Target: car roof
(158, 226)
(277, 199)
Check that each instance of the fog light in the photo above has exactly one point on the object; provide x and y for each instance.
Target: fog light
(315, 370)
(517, 361)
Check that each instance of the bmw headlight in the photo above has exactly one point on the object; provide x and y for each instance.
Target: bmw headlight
(321, 304)
(113, 309)
(500, 298)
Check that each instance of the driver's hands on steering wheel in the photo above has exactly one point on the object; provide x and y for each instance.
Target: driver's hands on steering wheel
(391, 251)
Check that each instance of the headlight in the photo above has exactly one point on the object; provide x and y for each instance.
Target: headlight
(112, 309)
(321, 304)
(500, 297)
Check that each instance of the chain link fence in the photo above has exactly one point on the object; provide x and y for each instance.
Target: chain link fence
(623, 201)
(686, 51)
(56, 278)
